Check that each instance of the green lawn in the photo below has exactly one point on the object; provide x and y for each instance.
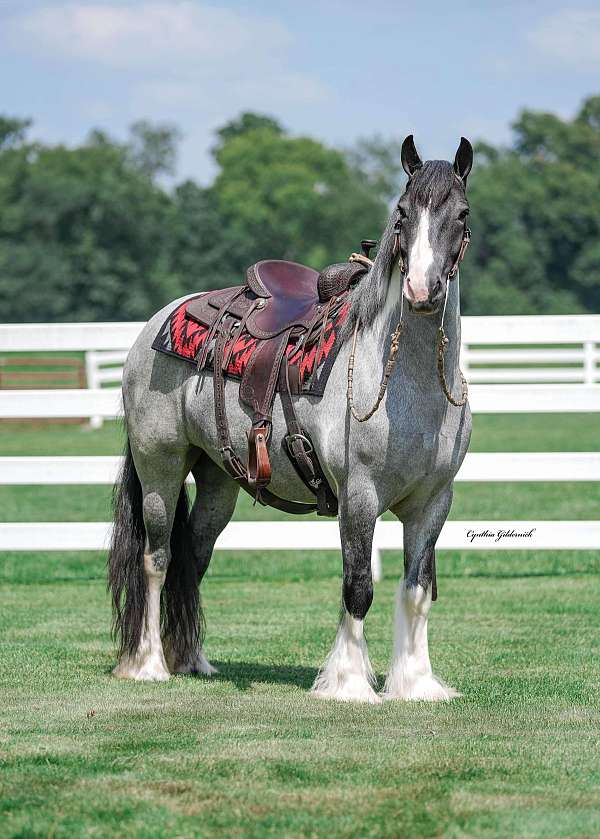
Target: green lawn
(249, 753)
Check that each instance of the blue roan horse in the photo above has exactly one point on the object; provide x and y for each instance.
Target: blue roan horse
(404, 459)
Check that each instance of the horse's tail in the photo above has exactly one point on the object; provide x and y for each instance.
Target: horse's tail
(126, 580)
(181, 619)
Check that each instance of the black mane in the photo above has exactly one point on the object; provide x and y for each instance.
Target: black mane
(431, 184)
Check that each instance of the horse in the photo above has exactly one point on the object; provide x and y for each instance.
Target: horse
(404, 459)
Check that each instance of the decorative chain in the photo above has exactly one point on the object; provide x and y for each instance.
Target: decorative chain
(389, 369)
(442, 346)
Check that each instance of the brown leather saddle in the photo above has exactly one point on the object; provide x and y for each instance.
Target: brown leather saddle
(281, 302)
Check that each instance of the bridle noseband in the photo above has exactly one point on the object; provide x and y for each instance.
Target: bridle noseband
(466, 239)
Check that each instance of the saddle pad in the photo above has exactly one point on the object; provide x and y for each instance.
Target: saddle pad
(184, 338)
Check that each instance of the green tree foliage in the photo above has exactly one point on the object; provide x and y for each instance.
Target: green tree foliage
(12, 131)
(290, 198)
(535, 212)
(85, 234)
(245, 123)
(89, 233)
(153, 148)
(380, 162)
(93, 233)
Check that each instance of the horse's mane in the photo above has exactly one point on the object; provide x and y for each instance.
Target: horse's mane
(429, 187)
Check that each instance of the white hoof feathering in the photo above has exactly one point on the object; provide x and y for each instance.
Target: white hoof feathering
(194, 663)
(410, 675)
(149, 668)
(347, 675)
(148, 664)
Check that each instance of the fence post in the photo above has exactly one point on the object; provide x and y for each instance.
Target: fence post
(464, 360)
(91, 366)
(376, 567)
(589, 362)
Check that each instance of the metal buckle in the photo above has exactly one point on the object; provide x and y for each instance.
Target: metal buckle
(291, 437)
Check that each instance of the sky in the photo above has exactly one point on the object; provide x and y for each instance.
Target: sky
(333, 70)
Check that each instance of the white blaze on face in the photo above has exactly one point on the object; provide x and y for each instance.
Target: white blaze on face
(420, 258)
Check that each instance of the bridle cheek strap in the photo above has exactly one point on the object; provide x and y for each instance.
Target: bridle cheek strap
(461, 254)
(396, 251)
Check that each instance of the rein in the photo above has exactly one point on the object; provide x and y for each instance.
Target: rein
(441, 347)
(443, 344)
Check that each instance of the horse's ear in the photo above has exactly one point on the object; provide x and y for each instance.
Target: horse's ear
(410, 157)
(463, 161)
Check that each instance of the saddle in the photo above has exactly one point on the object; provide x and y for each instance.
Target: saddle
(282, 303)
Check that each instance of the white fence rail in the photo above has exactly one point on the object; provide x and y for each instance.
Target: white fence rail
(321, 535)
(483, 399)
(480, 365)
(531, 364)
(492, 467)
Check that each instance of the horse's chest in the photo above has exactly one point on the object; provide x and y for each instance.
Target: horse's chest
(431, 453)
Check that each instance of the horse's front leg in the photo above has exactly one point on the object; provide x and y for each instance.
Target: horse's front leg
(347, 674)
(410, 675)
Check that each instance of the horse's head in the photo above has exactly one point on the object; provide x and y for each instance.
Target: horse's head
(431, 224)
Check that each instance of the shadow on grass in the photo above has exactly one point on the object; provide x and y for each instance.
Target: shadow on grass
(243, 674)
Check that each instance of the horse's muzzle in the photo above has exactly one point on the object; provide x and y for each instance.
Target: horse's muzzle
(425, 307)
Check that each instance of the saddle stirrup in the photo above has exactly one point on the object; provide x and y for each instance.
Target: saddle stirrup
(259, 465)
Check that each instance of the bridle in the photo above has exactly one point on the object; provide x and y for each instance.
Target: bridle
(466, 239)
(442, 339)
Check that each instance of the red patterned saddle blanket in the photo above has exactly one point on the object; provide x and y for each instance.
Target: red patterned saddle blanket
(185, 338)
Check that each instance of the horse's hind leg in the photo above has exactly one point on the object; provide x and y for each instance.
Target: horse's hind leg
(411, 676)
(216, 496)
(161, 476)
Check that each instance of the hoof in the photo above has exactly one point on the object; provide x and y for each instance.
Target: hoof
(427, 688)
(152, 670)
(195, 665)
(353, 689)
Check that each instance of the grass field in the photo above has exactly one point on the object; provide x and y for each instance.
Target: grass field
(249, 753)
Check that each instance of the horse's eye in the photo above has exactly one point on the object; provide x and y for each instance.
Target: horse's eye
(403, 213)
(462, 215)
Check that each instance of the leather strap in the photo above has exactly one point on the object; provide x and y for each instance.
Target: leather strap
(203, 354)
(231, 461)
(298, 445)
(461, 254)
(326, 311)
(257, 388)
(301, 452)
(232, 464)
(235, 334)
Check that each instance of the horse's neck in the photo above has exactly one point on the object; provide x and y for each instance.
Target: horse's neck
(418, 343)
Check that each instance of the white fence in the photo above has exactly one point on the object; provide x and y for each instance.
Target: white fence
(575, 363)
(528, 364)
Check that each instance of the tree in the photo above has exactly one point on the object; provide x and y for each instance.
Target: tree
(379, 161)
(153, 148)
(90, 233)
(290, 198)
(536, 218)
(84, 235)
(12, 131)
(245, 123)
